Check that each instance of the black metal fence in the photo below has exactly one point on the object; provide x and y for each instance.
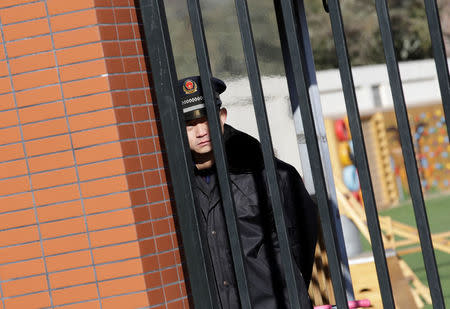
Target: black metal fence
(201, 279)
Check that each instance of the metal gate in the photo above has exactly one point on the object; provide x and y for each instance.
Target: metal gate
(291, 32)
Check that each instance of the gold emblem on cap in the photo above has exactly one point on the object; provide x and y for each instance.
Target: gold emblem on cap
(189, 86)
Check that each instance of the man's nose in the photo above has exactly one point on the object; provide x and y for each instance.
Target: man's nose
(202, 129)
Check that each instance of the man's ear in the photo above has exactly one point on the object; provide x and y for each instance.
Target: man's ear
(223, 115)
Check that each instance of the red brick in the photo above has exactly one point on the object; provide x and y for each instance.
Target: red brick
(41, 112)
(68, 261)
(105, 15)
(114, 65)
(124, 16)
(133, 64)
(76, 37)
(129, 48)
(132, 164)
(117, 82)
(8, 118)
(155, 297)
(122, 286)
(107, 202)
(35, 79)
(14, 185)
(92, 120)
(79, 53)
(6, 3)
(85, 86)
(72, 277)
(45, 129)
(19, 235)
(83, 70)
(22, 269)
(138, 300)
(97, 153)
(32, 301)
(164, 243)
(113, 236)
(56, 195)
(4, 69)
(22, 252)
(65, 244)
(7, 101)
(16, 202)
(110, 219)
(2, 53)
(119, 269)
(172, 292)
(73, 20)
(111, 49)
(116, 3)
(52, 161)
(10, 135)
(89, 103)
(126, 32)
(22, 13)
(116, 253)
(63, 227)
(101, 169)
(5, 84)
(18, 218)
(48, 145)
(40, 95)
(95, 136)
(27, 29)
(108, 33)
(74, 294)
(60, 211)
(94, 304)
(24, 286)
(167, 259)
(58, 7)
(29, 46)
(54, 178)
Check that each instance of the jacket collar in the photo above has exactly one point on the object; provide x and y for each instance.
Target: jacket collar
(243, 151)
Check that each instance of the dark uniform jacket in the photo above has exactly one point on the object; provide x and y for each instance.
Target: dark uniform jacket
(256, 225)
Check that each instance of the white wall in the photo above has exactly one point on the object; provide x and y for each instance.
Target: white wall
(372, 90)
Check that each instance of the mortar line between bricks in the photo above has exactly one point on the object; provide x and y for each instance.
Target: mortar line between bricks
(143, 66)
(27, 163)
(75, 159)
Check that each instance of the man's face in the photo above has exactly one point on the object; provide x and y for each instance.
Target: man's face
(198, 133)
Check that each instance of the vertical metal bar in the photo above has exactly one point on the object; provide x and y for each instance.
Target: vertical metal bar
(360, 154)
(409, 156)
(268, 155)
(305, 45)
(198, 262)
(440, 58)
(297, 60)
(219, 153)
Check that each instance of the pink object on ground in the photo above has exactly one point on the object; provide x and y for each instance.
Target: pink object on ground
(363, 303)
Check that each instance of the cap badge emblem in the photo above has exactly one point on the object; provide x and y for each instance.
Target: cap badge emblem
(189, 86)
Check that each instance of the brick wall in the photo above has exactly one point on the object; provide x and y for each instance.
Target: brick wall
(85, 213)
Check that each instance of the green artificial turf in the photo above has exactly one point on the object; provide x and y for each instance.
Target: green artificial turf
(438, 211)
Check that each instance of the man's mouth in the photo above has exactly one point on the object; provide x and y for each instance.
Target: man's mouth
(204, 143)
